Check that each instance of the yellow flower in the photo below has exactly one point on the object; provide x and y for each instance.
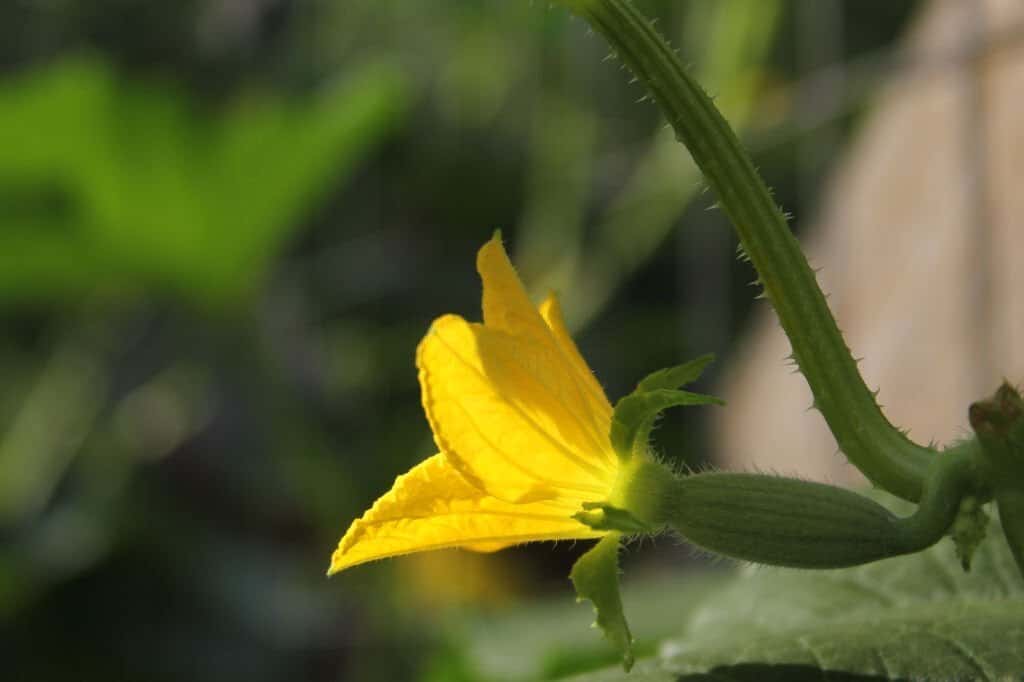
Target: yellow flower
(521, 424)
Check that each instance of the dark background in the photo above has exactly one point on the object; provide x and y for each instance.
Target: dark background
(225, 225)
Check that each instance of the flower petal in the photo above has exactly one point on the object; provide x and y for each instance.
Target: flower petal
(506, 306)
(511, 415)
(551, 312)
(432, 507)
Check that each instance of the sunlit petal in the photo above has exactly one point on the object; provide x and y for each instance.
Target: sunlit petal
(551, 312)
(511, 415)
(506, 306)
(432, 507)
(522, 424)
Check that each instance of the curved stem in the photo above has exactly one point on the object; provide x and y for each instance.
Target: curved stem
(952, 476)
(876, 447)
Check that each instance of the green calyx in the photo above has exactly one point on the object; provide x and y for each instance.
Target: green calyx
(645, 488)
(634, 506)
(637, 498)
(635, 414)
(637, 501)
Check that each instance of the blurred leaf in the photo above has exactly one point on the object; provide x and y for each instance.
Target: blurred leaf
(916, 617)
(550, 235)
(485, 60)
(731, 40)
(54, 418)
(735, 39)
(155, 418)
(550, 638)
(119, 183)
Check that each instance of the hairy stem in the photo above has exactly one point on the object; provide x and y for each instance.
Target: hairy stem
(876, 447)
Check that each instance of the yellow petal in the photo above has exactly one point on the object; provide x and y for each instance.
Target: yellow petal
(551, 312)
(511, 414)
(432, 507)
(506, 306)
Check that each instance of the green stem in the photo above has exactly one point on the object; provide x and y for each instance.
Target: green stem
(999, 423)
(952, 477)
(1010, 501)
(879, 450)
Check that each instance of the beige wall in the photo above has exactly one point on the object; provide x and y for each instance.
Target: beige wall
(925, 293)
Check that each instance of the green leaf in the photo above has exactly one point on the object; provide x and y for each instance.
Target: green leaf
(595, 576)
(547, 637)
(111, 182)
(917, 617)
(634, 415)
(675, 377)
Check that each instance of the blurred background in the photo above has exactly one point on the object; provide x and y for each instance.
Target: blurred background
(226, 224)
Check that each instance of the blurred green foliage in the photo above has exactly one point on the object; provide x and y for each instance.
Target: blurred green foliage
(224, 226)
(117, 183)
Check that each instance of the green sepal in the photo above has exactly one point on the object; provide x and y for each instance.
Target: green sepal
(635, 414)
(595, 575)
(603, 516)
(675, 377)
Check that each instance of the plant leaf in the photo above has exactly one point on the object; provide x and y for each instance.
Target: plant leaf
(595, 575)
(547, 638)
(143, 186)
(917, 617)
